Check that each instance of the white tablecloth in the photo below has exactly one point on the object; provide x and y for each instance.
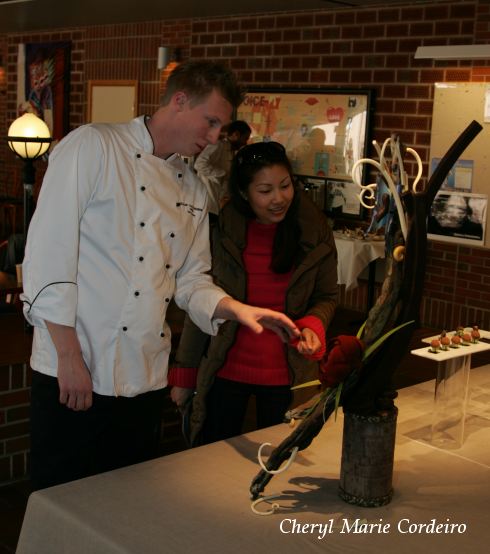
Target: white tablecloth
(198, 500)
(353, 256)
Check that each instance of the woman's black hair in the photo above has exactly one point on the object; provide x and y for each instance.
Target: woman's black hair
(248, 161)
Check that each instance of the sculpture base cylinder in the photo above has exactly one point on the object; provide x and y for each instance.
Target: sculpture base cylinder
(368, 449)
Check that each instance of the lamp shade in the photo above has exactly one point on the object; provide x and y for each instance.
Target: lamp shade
(29, 136)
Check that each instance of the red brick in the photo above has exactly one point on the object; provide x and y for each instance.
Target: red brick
(365, 16)
(386, 45)
(225, 38)
(304, 20)
(5, 474)
(299, 76)
(462, 11)
(393, 91)
(446, 28)
(285, 21)
(351, 61)
(310, 62)
(391, 14)
(412, 14)
(339, 76)
(14, 430)
(405, 106)
(330, 61)
(421, 29)
(234, 24)
(350, 32)
(342, 47)
(330, 33)
(215, 26)
(247, 24)
(362, 77)
(363, 46)
(18, 414)
(19, 466)
(14, 398)
(17, 445)
(323, 19)
(4, 378)
(345, 18)
(321, 48)
(291, 63)
(374, 31)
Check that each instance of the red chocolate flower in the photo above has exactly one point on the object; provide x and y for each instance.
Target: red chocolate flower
(344, 354)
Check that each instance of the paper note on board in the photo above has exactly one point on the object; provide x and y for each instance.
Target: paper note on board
(486, 114)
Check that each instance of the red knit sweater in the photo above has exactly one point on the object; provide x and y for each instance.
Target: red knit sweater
(258, 358)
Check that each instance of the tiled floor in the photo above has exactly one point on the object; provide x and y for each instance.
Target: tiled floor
(13, 498)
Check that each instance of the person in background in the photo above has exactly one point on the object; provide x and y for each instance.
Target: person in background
(120, 228)
(273, 247)
(214, 162)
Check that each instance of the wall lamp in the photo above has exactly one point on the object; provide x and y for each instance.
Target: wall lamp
(166, 54)
(455, 52)
(29, 138)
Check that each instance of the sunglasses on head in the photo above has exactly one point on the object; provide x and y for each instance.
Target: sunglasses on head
(260, 151)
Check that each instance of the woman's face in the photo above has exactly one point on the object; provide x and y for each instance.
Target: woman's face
(270, 194)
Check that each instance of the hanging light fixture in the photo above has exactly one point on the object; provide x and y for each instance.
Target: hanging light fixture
(29, 138)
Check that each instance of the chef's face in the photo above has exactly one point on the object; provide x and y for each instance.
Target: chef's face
(200, 121)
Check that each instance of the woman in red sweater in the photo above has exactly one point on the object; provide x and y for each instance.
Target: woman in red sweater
(272, 248)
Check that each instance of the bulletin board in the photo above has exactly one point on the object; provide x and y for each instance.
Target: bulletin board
(455, 106)
(112, 101)
(324, 132)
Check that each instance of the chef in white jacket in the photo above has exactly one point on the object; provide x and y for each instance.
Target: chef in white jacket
(120, 228)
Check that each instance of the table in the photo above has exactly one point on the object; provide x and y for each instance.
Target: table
(10, 289)
(354, 255)
(197, 500)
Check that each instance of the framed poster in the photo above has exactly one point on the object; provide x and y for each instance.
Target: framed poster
(112, 101)
(458, 217)
(324, 131)
(43, 84)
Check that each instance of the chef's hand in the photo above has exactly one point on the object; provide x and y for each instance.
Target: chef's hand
(256, 318)
(74, 378)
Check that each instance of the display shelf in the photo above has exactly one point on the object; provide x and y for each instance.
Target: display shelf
(451, 390)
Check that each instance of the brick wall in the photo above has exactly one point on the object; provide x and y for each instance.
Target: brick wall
(370, 47)
(14, 421)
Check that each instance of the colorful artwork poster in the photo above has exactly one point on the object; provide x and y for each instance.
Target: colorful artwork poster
(459, 178)
(324, 133)
(44, 84)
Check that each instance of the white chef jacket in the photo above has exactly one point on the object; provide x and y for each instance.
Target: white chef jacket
(116, 233)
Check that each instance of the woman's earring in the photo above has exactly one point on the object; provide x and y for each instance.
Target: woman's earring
(243, 195)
